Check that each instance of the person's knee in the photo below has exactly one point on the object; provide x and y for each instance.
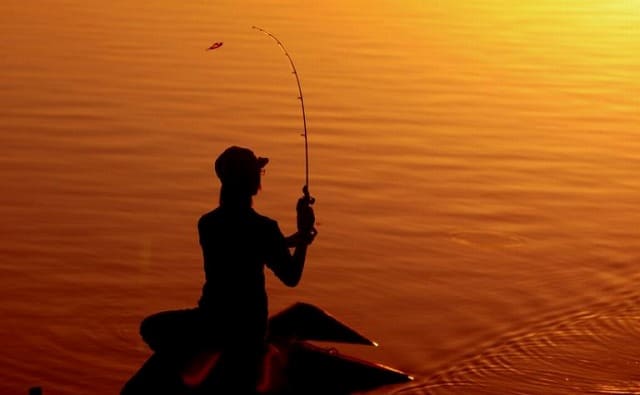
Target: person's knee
(147, 329)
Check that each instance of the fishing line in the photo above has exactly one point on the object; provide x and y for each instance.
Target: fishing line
(305, 189)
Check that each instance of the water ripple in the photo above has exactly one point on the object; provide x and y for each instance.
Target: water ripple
(592, 350)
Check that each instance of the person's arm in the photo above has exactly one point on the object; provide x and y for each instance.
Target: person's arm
(300, 238)
(293, 271)
(288, 268)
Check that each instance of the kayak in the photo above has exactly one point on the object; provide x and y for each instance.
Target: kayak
(291, 364)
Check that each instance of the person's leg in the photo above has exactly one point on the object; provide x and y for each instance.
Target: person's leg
(172, 331)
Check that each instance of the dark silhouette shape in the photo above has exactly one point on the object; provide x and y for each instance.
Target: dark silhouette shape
(223, 345)
(304, 321)
(290, 365)
(237, 243)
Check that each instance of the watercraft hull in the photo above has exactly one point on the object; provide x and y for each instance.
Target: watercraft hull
(291, 364)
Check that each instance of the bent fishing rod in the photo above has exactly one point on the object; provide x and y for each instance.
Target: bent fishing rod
(305, 189)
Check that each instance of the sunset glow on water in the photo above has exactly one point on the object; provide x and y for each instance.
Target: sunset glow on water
(476, 168)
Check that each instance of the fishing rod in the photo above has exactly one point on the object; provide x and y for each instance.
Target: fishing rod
(305, 189)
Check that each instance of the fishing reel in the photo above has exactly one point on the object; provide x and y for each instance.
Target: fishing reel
(306, 217)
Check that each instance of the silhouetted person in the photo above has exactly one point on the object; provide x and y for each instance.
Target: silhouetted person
(237, 243)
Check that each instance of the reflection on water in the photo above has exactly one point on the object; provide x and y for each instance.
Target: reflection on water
(535, 359)
(475, 167)
(487, 240)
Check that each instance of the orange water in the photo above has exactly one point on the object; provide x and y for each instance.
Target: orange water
(476, 168)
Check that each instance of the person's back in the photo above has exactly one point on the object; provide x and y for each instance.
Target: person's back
(236, 245)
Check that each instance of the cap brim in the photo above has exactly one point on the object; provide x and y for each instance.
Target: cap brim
(262, 162)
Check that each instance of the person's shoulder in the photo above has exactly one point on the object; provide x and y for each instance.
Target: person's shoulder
(264, 219)
(210, 216)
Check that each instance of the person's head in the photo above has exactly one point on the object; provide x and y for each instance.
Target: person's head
(239, 172)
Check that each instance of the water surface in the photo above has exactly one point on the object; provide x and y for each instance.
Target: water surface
(476, 169)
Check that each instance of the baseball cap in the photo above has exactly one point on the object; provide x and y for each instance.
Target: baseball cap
(238, 163)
